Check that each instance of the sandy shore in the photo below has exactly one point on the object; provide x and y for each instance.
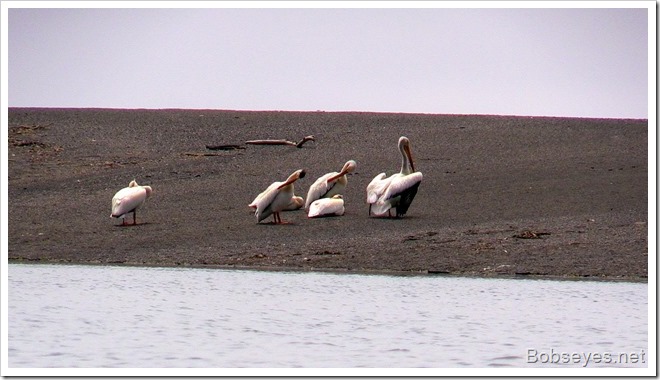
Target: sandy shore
(579, 185)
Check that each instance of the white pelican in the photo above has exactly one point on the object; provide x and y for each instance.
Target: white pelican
(296, 203)
(277, 197)
(330, 184)
(128, 200)
(398, 190)
(327, 206)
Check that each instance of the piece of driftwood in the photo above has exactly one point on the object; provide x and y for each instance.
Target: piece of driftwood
(281, 142)
(224, 147)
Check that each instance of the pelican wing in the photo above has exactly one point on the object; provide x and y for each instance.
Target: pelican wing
(127, 200)
(399, 184)
(319, 188)
(400, 193)
(261, 195)
(406, 198)
(377, 187)
(326, 206)
(266, 197)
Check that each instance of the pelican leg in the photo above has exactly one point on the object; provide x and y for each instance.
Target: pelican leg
(278, 218)
(369, 210)
(134, 221)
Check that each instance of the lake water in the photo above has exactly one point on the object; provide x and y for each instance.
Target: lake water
(134, 317)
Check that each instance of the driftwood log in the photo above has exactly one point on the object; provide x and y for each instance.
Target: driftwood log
(281, 142)
(261, 142)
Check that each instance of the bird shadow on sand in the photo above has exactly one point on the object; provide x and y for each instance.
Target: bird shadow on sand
(325, 217)
(132, 225)
(393, 218)
(277, 224)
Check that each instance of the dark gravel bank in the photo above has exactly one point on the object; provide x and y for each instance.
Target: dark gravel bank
(501, 195)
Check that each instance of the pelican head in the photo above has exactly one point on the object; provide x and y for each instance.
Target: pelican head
(407, 164)
(349, 167)
(293, 178)
(146, 188)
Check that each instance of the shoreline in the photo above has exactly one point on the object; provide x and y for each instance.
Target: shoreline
(363, 272)
(580, 183)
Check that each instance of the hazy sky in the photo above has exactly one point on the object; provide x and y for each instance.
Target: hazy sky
(529, 61)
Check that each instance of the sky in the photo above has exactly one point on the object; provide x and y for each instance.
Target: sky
(591, 62)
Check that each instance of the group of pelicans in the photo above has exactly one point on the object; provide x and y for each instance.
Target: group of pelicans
(324, 197)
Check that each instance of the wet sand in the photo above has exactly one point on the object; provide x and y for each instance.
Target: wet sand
(501, 195)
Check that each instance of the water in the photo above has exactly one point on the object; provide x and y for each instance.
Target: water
(106, 316)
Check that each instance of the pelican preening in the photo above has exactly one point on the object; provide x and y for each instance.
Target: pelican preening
(277, 197)
(295, 204)
(128, 200)
(329, 184)
(398, 190)
(327, 207)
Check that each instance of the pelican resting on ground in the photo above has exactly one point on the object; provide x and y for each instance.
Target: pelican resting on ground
(128, 200)
(398, 190)
(327, 207)
(330, 184)
(296, 203)
(277, 197)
